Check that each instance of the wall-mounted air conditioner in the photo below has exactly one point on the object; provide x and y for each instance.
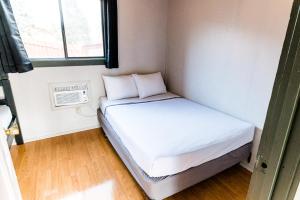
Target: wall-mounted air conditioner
(69, 94)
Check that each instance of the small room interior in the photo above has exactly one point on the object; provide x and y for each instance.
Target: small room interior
(210, 56)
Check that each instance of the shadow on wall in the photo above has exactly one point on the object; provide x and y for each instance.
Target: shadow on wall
(226, 56)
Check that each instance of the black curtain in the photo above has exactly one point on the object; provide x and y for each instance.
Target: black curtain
(110, 32)
(13, 56)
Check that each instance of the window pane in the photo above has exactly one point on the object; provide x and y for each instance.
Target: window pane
(39, 25)
(83, 27)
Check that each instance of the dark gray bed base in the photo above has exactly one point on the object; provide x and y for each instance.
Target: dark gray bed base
(163, 187)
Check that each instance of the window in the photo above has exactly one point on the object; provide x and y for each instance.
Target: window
(60, 29)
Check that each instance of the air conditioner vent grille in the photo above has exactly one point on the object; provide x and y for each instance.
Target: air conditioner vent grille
(70, 94)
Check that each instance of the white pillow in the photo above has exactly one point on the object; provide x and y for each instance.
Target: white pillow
(150, 84)
(120, 87)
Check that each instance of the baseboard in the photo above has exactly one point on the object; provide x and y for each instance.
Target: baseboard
(51, 135)
(247, 166)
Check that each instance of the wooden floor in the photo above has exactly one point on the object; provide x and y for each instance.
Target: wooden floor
(85, 166)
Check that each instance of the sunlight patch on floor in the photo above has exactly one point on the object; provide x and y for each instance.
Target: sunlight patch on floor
(102, 191)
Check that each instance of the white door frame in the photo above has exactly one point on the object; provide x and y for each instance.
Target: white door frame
(9, 187)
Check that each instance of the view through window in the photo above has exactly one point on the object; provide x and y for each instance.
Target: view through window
(60, 28)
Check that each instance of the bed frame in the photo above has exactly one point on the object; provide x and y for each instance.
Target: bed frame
(162, 187)
(9, 101)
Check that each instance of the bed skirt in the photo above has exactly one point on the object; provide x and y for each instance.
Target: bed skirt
(158, 188)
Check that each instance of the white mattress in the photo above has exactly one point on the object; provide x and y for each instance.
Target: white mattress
(5, 116)
(166, 134)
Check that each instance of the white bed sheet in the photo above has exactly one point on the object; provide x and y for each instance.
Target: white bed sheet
(173, 134)
(5, 116)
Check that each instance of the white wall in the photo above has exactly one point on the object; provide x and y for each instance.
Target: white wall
(225, 55)
(297, 196)
(142, 42)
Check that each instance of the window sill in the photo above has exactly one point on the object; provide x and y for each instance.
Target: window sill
(61, 62)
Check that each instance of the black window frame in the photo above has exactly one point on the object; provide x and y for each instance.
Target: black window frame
(68, 61)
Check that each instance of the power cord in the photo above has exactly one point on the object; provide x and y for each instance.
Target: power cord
(79, 110)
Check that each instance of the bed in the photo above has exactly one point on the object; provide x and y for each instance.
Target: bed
(169, 143)
(8, 119)
(6, 116)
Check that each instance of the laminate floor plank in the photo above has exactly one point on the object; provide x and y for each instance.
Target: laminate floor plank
(84, 165)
